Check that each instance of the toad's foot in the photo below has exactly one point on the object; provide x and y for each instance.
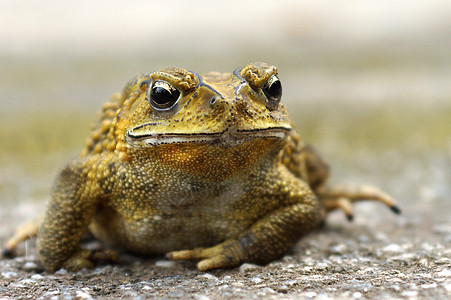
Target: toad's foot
(87, 259)
(226, 255)
(343, 197)
(24, 232)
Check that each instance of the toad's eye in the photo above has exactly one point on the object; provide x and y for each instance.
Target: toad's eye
(273, 91)
(163, 95)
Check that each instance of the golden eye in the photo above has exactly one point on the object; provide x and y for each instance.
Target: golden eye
(163, 95)
(273, 91)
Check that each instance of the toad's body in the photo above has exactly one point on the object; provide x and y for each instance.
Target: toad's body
(180, 161)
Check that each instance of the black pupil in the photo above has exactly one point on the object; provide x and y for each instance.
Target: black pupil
(274, 91)
(163, 96)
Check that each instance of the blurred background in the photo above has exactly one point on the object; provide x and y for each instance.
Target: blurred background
(368, 82)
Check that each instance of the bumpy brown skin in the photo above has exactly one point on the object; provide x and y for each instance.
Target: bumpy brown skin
(221, 172)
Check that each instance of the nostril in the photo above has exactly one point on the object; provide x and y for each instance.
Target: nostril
(213, 100)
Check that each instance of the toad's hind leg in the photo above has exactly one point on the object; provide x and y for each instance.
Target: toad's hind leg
(343, 197)
(24, 232)
(339, 197)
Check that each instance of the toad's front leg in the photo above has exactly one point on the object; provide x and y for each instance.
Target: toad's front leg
(266, 240)
(67, 217)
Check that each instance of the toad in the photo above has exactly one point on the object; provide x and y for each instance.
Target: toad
(206, 168)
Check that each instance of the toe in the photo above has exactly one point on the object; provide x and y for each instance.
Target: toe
(187, 254)
(216, 262)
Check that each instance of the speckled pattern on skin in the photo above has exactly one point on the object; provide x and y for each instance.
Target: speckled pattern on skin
(211, 164)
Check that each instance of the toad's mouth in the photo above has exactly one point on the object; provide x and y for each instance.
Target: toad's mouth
(227, 137)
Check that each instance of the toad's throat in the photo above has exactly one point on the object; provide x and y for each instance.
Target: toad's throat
(227, 137)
